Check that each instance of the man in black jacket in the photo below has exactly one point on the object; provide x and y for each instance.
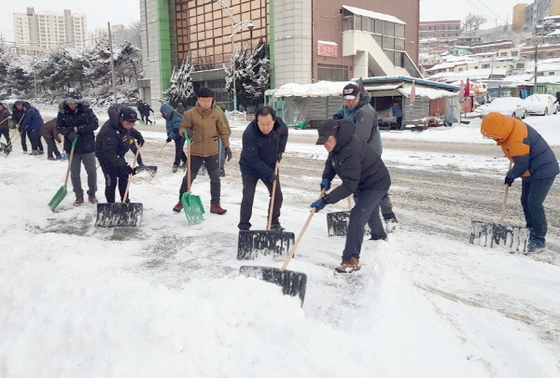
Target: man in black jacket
(113, 142)
(363, 174)
(76, 120)
(264, 141)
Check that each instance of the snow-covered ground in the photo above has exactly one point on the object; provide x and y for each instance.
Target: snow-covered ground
(166, 299)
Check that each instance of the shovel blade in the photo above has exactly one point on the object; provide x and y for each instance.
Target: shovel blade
(292, 283)
(337, 223)
(251, 244)
(149, 170)
(192, 205)
(487, 234)
(58, 197)
(119, 214)
(5, 149)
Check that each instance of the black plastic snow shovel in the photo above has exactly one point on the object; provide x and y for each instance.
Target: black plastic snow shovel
(124, 214)
(292, 283)
(61, 194)
(251, 244)
(146, 170)
(192, 205)
(5, 149)
(337, 222)
(487, 234)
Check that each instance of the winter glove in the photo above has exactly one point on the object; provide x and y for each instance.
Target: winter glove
(228, 153)
(168, 140)
(508, 181)
(319, 204)
(129, 170)
(140, 141)
(71, 136)
(325, 184)
(189, 133)
(273, 178)
(337, 116)
(279, 157)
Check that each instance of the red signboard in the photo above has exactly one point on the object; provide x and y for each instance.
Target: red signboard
(328, 49)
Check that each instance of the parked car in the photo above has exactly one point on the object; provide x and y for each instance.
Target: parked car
(508, 106)
(542, 104)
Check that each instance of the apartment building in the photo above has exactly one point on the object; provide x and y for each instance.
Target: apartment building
(50, 30)
(310, 40)
(448, 29)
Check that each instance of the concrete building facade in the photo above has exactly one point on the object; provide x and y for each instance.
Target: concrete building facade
(447, 29)
(310, 40)
(50, 30)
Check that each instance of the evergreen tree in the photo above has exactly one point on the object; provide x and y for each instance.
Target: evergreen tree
(238, 61)
(181, 86)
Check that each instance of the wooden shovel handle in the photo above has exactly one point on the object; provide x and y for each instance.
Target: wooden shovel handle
(272, 195)
(188, 142)
(504, 202)
(293, 250)
(70, 160)
(125, 197)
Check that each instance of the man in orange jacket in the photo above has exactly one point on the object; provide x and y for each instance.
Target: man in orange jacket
(533, 161)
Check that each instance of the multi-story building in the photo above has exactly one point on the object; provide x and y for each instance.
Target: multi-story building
(310, 40)
(447, 30)
(50, 30)
(117, 31)
(519, 17)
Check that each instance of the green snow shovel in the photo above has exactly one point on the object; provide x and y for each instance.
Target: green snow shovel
(61, 194)
(192, 205)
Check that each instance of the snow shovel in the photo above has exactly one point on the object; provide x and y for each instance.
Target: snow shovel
(252, 243)
(124, 214)
(192, 205)
(293, 283)
(337, 222)
(487, 234)
(59, 196)
(149, 170)
(7, 148)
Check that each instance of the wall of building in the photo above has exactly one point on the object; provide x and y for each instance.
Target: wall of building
(327, 26)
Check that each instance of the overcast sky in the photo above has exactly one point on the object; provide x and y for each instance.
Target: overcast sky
(99, 12)
(495, 11)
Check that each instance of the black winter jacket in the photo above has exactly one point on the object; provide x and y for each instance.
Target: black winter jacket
(16, 116)
(260, 152)
(356, 163)
(112, 143)
(86, 123)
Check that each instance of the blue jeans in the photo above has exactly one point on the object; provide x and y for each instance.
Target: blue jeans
(533, 194)
(366, 210)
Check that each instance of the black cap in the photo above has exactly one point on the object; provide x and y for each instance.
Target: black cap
(350, 91)
(325, 129)
(128, 114)
(205, 92)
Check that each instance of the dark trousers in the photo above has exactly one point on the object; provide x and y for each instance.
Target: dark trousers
(249, 187)
(23, 135)
(386, 206)
(366, 210)
(6, 133)
(533, 194)
(180, 156)
(399, 122)
(52, 149)
(134, 148)
(112, 177)
(35, 139)
(211, 163)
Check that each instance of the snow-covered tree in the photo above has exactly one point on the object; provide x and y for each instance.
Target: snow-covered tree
(252, 75)
(256, 76)
(181, 86)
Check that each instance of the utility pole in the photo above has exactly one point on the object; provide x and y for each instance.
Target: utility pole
(113, 76)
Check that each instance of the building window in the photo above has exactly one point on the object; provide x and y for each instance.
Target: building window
(551, 53)
(551, 73)
(331, 72)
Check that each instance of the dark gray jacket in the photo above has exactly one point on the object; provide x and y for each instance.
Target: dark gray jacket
(365, 118)
(356, 163)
